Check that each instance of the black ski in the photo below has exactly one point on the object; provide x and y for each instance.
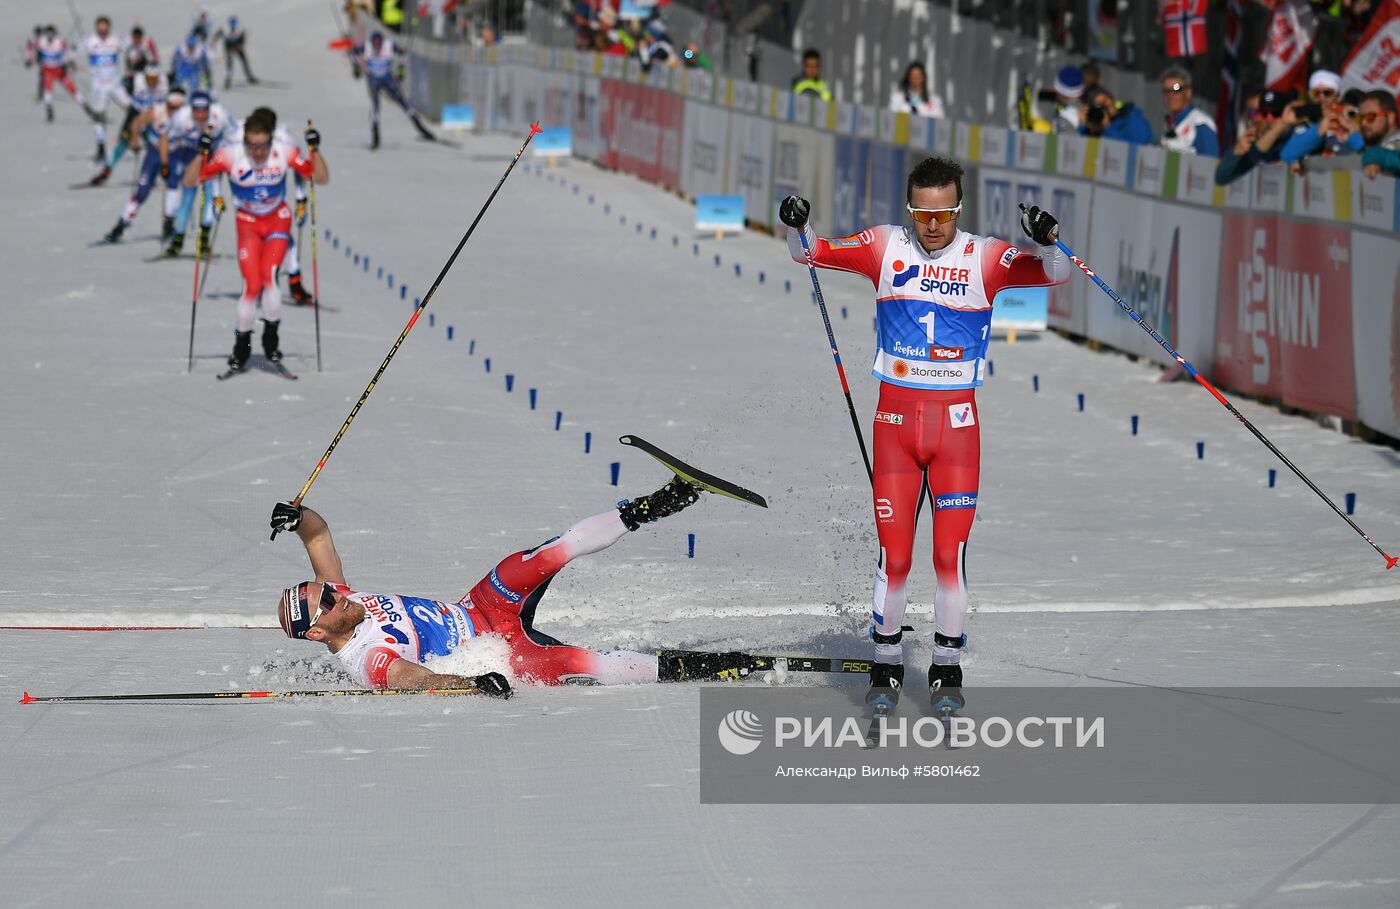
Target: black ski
(701, 665)
(275, 368)
(703, 480)
(182, 257)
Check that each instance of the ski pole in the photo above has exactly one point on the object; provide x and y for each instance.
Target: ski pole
(194, 294)
(209, 253)
(417, 311)
(254, 695)
(1205, 383)
(836, 354)
(315, 274)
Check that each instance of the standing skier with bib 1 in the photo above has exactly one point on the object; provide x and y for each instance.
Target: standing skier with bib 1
(934, 288)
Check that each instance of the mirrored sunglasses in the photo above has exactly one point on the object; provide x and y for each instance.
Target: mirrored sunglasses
(941, 215)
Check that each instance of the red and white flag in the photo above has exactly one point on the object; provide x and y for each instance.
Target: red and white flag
(1184, 27)
(1285, 54)
(1375, 61)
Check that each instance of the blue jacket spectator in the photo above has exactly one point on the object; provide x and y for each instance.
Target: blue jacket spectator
(1112, 119)
(1312, 141)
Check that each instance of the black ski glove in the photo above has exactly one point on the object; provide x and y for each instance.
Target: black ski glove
(285, 516)
(206, 143)
(493, 684)
(1040, 225)
(313, 138)
(794, 211)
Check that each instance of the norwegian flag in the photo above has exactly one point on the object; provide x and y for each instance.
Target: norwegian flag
(1285, 54)
(1184, 24)
(1228, 109)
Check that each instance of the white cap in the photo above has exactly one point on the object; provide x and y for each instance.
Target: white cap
(1325, 78)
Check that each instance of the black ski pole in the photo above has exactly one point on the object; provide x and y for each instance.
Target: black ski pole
(417, 311)
(836, 355)
(1205, 383)
(194, 295)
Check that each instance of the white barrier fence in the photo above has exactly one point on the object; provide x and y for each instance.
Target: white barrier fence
(1280, 286)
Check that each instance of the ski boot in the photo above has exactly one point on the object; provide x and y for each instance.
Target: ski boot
(945, 689)
(690, 666)
(115, 234)
(299, 295)
(101, 156)
(666, 501)
(374, 137)
(202, 250)
(886, 679)
(101, 176)
(242, 350)
(887, 672)
(422, 130)
(271, 350)
(48, 113)
(167, 229)
(945, 679)
(177, 243)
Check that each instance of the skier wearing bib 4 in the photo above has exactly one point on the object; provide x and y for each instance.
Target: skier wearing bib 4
(151, 126)
(382, 641)
(257, 169)
(934, 289)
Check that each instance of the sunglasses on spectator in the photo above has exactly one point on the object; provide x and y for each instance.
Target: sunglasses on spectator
(1324, 93)
(327, 603)
(1369, 117)
(1173, 88)
(941, 215)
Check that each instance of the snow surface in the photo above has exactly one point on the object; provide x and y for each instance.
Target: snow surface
(135, 494)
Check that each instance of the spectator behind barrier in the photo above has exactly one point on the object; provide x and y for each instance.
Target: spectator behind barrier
(655, 46)
(1069, 88)
(1378, 120)
(810, 82)
(1335, 132)
(912, 95)
(1189, 129)
(1122, 120)
(1261, 139)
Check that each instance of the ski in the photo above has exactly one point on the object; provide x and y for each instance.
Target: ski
(701, 665)
(182, 257)
(704, 481)
(440, 140)
(276, 369)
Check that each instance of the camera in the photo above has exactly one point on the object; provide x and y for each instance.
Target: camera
(1309, 112)
(1097, 117)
